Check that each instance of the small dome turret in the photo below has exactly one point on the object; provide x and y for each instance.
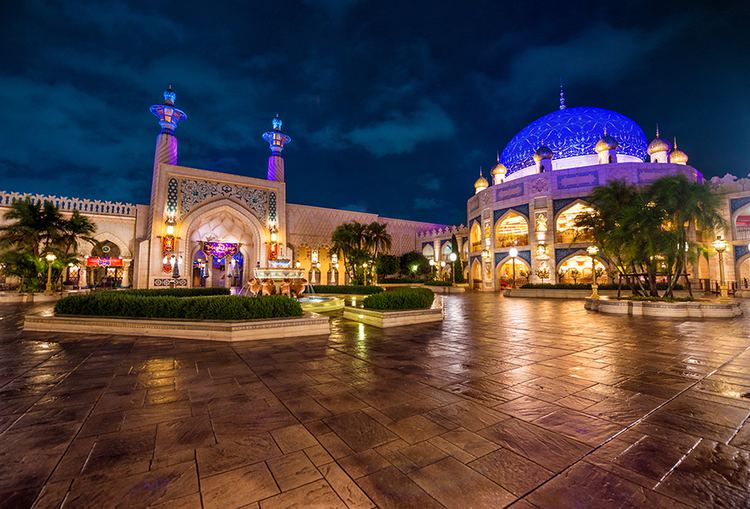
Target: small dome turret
(677, 156)
(606, 142)
(498, 171)
(481, 183)
(657, 144)
(543, 152)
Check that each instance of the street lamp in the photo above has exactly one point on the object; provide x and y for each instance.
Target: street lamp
(721, 245)
(50, 259)
(432, 267)
(513, 252)
(452, 257)
(593, 251)
(364, 272)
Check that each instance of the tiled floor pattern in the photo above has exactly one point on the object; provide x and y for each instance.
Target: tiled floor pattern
(527, 403)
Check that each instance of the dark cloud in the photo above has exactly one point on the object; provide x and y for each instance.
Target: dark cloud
(392, 107)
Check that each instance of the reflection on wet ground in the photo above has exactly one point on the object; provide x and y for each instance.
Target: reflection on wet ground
(507, 399)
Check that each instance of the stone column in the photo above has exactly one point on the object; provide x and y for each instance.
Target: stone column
(227, 271)
(82, 279)
(126, 264)
(209, 270)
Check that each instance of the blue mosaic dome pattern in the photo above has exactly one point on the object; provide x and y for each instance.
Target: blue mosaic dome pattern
(573, 132)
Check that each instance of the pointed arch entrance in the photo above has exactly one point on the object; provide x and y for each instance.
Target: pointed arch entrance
(223, 243)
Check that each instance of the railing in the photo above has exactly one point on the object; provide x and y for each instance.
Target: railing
(511, 240)
(112, 208)
(742, 233)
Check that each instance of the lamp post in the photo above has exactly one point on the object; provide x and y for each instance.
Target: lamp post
(364, 273)
(432, 267)
(593, 251)
(721, 245)
(513, 252)
(50, 259)
(452, 257)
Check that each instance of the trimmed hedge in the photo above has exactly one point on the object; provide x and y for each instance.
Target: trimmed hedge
(587, 286)
(438, 283)
(218, 307)
(174, 292)
(401, 298)
(348, 289)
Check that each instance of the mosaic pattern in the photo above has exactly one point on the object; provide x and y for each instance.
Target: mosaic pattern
(737, 203)
(195, 192)
(172, 188)
(168, 281)
(522, 209)
(573, 132)
(272, 208)
(524, 255)
(562, 253)
(740, 251)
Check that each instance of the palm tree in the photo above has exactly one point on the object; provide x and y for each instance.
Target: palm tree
(359, 243)
(378, 240)
(75, 229)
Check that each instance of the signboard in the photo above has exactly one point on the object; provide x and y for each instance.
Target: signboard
(103, 261)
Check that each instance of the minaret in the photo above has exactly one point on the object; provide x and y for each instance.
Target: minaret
(276, 141)
(169, 117)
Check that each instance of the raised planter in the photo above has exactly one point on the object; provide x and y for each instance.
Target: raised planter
(321, 304)
(311, 324)
(557, 293)
(695, 309)
(15, 297)
(383, 319)
(446, 289)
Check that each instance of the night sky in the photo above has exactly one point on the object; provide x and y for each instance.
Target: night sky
(392, 106)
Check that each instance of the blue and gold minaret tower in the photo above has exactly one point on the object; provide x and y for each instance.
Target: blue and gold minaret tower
(169, 117)
(276, 141)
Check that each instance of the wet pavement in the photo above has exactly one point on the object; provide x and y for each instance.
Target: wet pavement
(525, 402)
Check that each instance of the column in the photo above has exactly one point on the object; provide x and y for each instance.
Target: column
(126, 272)
(228, 271)
(209, 270)
(82, 275)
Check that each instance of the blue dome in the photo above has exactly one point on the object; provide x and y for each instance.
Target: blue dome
(573, 132)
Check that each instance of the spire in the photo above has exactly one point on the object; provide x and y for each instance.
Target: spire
(498, 156)
(675, 143)
(562, 95)
(480, 171)
(276, 141)
(169, 95)
(168, 115)
(605, 130)
(657, 130)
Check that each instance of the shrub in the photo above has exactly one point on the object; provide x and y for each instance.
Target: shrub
(587, 286)
(347, 289)
(438, 283)
(173, 292)
(217, 307)
(401, 298)
(401, 281)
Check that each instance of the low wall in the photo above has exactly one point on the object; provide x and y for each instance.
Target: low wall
(383, 319)
(311, 324)
(696, 309)
(554, 293)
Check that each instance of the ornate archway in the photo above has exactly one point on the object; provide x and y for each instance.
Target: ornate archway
(227, 222)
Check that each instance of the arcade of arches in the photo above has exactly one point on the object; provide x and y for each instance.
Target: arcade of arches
(565, 228)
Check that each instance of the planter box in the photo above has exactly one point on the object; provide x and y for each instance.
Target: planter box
(558, 293)
(383, 319)
(697, 309)
(311, 324)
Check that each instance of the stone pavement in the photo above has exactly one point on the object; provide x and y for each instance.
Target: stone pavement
(528, 403)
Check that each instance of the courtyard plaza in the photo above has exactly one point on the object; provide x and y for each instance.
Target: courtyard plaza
(509, 402)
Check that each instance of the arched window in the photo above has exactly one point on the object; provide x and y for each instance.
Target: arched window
(742, 224)
(510, 268)
(475, 237)
(446, 250)
(106, 249)
(512, 230)
(565, 228)
(428, 251)
(577, 269)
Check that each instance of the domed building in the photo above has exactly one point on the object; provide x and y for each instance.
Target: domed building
(522, 227)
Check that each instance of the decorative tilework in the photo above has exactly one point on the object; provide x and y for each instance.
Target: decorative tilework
(578, 179)
(558, 205)
(740, 251)
(506, 192)
(426, 244)
(195, 192)
(736, 204)
(522, 209)
(562, 253)
(172, 196)
(524, 255)
(272, 207)
(478, 219)
(572, 132)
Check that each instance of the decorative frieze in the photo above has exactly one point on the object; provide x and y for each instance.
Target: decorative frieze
(195, 192)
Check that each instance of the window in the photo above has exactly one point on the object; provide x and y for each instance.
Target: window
(512, 230)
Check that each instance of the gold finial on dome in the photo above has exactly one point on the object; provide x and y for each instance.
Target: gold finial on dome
(677, 156)
(657, 144)
(481, 183)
